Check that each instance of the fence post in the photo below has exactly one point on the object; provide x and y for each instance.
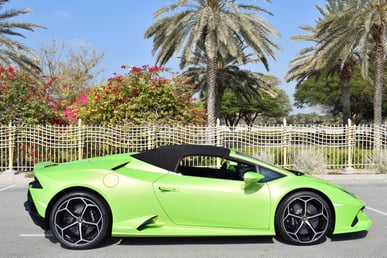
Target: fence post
(11, 142)
(217, 133)
(80, 140)
(151, 136)
(285, 143)
(349, 139)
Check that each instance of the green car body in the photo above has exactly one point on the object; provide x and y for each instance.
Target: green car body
(144, 199)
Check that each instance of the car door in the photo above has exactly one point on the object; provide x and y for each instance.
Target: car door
(213, 202)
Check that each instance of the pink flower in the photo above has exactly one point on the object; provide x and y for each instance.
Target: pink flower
(70, 114)
(82, 100)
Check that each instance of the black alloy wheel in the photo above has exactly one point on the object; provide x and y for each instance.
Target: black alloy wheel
(303, 218)
(79, 220)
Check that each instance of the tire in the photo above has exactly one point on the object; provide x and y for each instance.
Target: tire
(79, 220)
(303, 218)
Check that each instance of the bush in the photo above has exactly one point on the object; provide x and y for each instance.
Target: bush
(266, 156)
(142, 96)
(380, 161)
(311, 162)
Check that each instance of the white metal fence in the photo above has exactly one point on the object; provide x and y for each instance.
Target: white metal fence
(356, 147)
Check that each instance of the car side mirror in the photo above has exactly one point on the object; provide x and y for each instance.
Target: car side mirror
(251, 178)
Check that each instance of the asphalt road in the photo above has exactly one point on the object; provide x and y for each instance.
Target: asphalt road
(19, 237)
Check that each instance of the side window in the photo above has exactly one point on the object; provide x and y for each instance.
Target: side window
(213, 167)
(269, 174)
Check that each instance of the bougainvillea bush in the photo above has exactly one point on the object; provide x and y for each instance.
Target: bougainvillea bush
(25, 98)
(144, 95)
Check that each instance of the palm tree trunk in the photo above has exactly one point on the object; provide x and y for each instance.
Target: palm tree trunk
(378, 83)
(345, 76)
(211, 92)
(346, 101)
(378, 94)
(218, 100)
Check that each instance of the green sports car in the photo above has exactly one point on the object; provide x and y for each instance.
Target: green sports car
(187, 190)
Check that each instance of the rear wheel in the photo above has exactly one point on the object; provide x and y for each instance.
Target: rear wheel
(303, 218)
(79, 220)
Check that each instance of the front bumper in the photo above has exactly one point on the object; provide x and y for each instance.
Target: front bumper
(359, 222)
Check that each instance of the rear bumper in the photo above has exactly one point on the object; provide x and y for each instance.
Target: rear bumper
(31, 209)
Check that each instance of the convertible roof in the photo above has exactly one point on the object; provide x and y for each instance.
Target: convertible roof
(169, 156)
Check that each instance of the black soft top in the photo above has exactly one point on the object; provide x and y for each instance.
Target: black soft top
(168, 157)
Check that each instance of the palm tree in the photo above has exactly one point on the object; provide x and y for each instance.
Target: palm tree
(360, 25)
(245, 84)
(12, 52)
(222, 25)
(317, 60)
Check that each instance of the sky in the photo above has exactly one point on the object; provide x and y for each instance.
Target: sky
(116, 28)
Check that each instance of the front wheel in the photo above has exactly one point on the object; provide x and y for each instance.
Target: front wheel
(303, 218)
(79, 220)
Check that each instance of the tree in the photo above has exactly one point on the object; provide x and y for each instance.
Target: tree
(140, 97)
(12, 52)
(314, 61)
(245, 84)
(230, 111)
(326, 91)
(357, 25)
(267, 106)
(222, 26)
(74, 70)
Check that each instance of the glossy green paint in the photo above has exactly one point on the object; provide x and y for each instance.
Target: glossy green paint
(145, 200)
(225, 203)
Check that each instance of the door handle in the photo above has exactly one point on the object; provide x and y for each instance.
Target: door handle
(167, 189)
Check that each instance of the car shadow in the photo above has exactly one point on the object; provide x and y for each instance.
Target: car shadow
(190, 240)
(150, 241)
(349, 236)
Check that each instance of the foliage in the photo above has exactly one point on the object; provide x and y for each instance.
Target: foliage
(310, 161)
(325, 92)
(380, 159)
(349, 32)
(13, 53)
(230, 76)
(358, 26)
(313, 62)
(230, 109)
(223, 27)
(266, 156)
(26, 99)
(142, 96)
(314, 119)
(249, 110)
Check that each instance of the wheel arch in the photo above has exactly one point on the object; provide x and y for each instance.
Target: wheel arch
(324, 196)
(76, 189)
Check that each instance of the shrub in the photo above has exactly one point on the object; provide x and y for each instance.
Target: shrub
(266, 156)
(380, 161)
(311, 162)
(140, 97)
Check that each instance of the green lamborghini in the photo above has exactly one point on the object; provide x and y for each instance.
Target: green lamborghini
(187, 190)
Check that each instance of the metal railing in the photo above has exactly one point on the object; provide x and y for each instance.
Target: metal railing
(22, 146)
